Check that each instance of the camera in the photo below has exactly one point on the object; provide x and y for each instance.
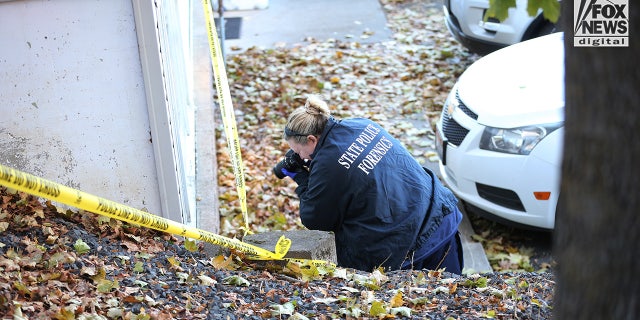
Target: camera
(292, 162)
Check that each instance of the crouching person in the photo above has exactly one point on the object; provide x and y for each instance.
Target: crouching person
(359, 182)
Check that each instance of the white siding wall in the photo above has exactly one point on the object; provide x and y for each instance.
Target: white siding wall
(175, 32)
(84, 85)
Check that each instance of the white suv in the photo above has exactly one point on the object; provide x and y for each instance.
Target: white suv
(464, 19)
(500, 135)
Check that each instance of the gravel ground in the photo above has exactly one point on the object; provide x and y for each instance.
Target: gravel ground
(67, 265)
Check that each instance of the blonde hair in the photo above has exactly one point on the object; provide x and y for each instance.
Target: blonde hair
(309, 119)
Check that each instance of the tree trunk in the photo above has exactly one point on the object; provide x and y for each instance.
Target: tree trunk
(597, 238)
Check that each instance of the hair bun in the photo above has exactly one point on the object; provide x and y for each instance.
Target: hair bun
(316, 106)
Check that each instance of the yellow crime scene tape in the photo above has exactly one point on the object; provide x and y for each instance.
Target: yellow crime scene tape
(47, 189)
(229, 122)
(40, 187)
(21, 181)
(226, 109)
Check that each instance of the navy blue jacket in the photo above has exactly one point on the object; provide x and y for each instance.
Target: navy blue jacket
(381, 204)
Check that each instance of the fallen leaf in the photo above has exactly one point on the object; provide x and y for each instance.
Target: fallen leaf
(402, 311)
(277, 310)
(396, 301)
(236, 281)
(377, 309)
(81, 247)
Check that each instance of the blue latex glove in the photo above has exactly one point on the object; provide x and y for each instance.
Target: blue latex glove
(288, 173)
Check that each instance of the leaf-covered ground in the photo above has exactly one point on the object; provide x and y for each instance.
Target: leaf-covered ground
(401, 83)
(64, 264)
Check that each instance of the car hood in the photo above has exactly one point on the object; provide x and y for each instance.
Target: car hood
(522, 84)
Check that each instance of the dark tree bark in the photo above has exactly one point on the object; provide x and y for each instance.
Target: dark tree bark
(597, 237)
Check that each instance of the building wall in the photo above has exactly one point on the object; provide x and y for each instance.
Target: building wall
(72, 99)
(102, 96)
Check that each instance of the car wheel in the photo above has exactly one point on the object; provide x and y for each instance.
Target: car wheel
(539, 27)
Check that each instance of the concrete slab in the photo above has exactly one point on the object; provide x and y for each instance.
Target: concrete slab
(207, 206)
(475, 259)
(290, 22)
(305, 244)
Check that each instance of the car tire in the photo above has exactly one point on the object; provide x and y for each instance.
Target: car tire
(539, 27)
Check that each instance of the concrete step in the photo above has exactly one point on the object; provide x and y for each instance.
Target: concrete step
(305, 244)
(475, 259)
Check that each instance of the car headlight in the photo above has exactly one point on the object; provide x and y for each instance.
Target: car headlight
(515, 140)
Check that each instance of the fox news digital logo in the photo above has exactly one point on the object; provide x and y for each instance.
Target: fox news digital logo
(601, 23)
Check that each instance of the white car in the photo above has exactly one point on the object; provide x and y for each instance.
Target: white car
(465, 21)
(500, 135)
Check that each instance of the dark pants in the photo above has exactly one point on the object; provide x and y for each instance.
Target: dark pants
(448, 257)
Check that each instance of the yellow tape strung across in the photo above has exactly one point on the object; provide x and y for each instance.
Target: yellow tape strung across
(230, 128)
(226, 109)
(47, 189)
(37, 186)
